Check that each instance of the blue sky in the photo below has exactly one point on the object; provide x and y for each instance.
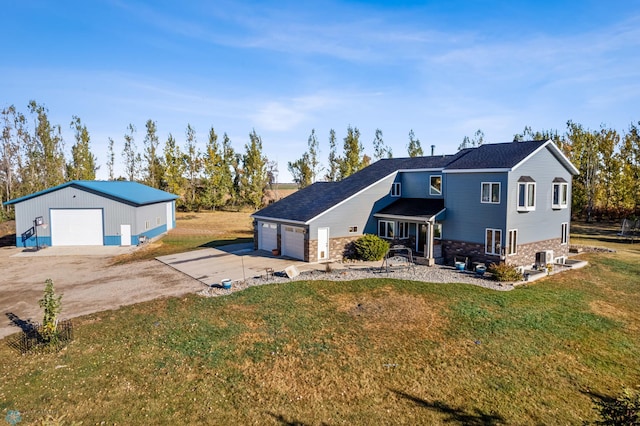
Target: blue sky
(441, 68)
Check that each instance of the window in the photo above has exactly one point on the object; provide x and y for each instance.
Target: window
(560, 195)
(512, 247)
(435, 185)
(526, 195)
(157, 220)
(403, 229)
(490, 192)
(147, 224)
(395, 189)
(353, 229)
(437, 231)
(492, 241)
(564, 233)
(386, 229)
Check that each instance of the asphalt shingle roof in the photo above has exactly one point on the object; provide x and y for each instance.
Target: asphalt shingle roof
(494, 155)
(307, 203)
(414, 207)
(133, 193)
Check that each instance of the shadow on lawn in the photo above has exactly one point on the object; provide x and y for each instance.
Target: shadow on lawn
(282, 420)
(220, 243)
(477, 418)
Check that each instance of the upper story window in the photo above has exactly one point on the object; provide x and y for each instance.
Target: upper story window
(490, 192)
(560, 194)
(435, 185)
(526, 194)
(396, 189)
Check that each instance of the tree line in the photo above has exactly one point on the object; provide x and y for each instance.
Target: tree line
(32, 158)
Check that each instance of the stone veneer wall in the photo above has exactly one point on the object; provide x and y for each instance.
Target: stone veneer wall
(526, 255)
(337, 247)
(474, 251)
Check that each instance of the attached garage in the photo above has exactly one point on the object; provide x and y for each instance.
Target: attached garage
(76, 227)
(268, 236)
(293, 242)
(93, 213)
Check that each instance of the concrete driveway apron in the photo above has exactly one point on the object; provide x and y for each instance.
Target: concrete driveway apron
(234, 262)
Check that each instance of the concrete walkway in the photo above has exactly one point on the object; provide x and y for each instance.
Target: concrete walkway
(237, 262)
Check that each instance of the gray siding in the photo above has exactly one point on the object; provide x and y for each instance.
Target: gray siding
(357, 211)
(544, 223)
(466, 217)
(115, 213)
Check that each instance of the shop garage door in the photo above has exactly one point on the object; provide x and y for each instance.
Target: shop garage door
(268, 236)
(81, 227)
(293, 242)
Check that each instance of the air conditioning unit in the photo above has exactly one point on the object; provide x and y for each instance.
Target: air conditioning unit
(544, 257)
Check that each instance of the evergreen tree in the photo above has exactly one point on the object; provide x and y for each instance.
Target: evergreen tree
(174, 161)
(83, 162)
(153, 164)
(193, 162)
(351, 162)
(45, 164)
(314, 151)
(131, 157)
(214, 193)
(111, 156)
(301, 171)
(13, 132)
(630, 164)
(380, 150)
(334, 160)
(254, 177)
(414, 149)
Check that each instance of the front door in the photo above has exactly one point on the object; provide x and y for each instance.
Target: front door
(323, 243)
(422, 237)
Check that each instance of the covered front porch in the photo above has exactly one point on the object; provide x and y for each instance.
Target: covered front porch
(415, 223)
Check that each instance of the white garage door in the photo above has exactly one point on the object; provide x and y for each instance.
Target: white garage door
(293, 242)
(267, 236)
(82, 227)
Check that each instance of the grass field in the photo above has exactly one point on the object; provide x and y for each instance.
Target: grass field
(378, 351)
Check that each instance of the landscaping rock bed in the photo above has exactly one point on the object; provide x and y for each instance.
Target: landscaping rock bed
(430, 274)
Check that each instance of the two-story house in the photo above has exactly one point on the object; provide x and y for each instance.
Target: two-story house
(506, 202)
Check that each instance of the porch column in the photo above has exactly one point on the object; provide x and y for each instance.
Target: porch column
(429, 252)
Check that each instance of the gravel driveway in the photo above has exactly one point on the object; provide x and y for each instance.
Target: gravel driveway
(85, 279)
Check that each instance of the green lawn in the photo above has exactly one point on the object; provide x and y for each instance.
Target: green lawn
(378, 351)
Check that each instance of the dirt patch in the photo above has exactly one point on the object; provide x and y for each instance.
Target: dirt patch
(391, 311)
(608, 310)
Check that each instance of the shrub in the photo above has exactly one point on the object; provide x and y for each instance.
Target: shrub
(504, 272)
(50, 302)
(624, 410)
(370, 247)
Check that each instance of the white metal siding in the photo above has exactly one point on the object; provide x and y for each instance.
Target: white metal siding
(76, 227)
(293, 242)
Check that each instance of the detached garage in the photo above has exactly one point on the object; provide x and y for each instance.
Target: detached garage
(93, 213)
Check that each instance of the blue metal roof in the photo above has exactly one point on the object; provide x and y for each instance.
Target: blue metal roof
(132, 193)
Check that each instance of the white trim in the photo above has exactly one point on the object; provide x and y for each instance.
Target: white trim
(563, 158)
(512, 250)
(482, 184)
(493, 245)
(560, 204)
(417, 219)
(280, 221)
(503, 170)
(431, 185)
(526, 207)
(564, 233)
(396, 190)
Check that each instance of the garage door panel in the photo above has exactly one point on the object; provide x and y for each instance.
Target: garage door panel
(293, 242)
(268, 236)
(76, 227)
